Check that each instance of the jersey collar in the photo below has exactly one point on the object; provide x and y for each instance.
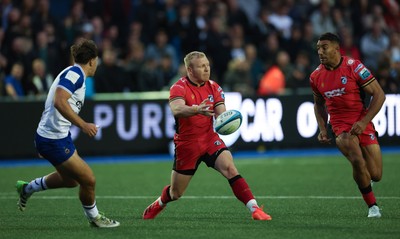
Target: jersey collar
(191, 82)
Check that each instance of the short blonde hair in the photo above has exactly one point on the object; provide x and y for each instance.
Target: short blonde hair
(191, 55)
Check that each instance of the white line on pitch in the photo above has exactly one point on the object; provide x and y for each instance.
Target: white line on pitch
(6, 197)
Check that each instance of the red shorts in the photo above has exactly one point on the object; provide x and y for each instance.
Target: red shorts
(190, 153)
(369, 136)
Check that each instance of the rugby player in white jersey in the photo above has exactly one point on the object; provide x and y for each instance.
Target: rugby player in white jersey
(53, 138)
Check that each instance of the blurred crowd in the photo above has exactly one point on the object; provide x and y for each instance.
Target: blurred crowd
(255, 47)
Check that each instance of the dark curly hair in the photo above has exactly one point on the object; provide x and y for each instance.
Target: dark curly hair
(83, 51)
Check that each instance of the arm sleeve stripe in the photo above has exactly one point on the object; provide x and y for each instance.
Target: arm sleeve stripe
(176, 98)
(368, 82)
(219, 103)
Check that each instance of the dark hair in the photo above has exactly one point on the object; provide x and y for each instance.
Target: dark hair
(330, 37)
(83, 51)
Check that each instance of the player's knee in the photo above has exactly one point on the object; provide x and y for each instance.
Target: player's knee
(376, 176)
(72, 184)
(89, 181)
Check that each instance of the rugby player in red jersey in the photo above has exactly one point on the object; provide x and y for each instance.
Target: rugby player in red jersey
(339, 85)
(194, 101)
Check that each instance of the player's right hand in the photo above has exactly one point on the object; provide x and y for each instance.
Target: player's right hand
(323, 138)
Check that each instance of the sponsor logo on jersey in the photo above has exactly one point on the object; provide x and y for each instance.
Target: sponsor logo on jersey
(219, 89)
(217, 142)
(79, 105)
(222, 95)
(211, 98)
(335, 92)
(358, 67)
(350, 62)
(343, 79)
(372, 136)
(364, 73)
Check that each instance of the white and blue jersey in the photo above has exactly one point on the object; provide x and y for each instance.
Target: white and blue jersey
(52, 124)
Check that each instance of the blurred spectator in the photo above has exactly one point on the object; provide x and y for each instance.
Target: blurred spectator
(133, 62)
(269, 49)
(273, 82)
(321, 19)
(388, 75)
(182, 36)
(149, 77)
(166, 69)
(238, 77)
(49, 52)
(299, 77)
(281, 20)
(40, 80)
(73, 22)
(237, 46)
(218, 47)
(295, 43)
(98, 29)
(43, 16)
(262, 27)
(394, 46)
(374, 16)
(148, 15)
(5, 7)
(13, 85)
(255, 64)
(109, 77)
(373, 44)
(21, 51)
(393, 15)
(161, 47)
(347, 46)
(238, 13)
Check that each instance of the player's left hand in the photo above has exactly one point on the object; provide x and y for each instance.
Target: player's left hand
(205, 109)
(358, 128)
(90, 129)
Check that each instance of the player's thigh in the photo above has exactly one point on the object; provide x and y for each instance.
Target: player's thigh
(224, 164)
(349, 146)
(179, 183)
(373, 157)
(77, 169)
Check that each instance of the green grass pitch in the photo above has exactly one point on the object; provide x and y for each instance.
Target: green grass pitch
(308, 197)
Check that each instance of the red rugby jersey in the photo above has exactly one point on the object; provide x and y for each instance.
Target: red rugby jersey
(342, 89)
(197, 126)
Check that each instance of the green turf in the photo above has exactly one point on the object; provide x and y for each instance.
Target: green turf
(311, 197)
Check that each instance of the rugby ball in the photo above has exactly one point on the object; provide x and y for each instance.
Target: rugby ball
(228, 122)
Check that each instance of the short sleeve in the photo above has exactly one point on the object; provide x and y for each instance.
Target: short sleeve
(71, 81)
(177, 91)
(362, 74)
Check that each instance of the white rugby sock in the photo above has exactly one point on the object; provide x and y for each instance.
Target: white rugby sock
(91, 210)
(36, 185)
(252, 205)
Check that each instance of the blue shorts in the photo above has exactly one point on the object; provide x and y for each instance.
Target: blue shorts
(56, 151)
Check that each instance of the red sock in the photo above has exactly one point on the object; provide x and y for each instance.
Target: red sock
(368, 196)
(241, 189)
(165, 196)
